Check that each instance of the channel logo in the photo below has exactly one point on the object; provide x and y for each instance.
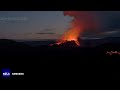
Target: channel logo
(6, 72)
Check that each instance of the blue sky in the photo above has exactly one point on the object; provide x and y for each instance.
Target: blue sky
(30, 25)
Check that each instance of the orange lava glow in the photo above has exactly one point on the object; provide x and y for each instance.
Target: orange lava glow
(81, 22)
(70, 35)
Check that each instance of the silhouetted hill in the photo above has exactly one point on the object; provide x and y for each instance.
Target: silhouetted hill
(108, 47)
(83, 42)
(6, 44)
(97, 42)
(39, 42)
(14, 54)
(66, 44)
(69, 53)
(112, 39)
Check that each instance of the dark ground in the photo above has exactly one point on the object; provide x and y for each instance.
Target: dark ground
(22, 57)
(60, 55)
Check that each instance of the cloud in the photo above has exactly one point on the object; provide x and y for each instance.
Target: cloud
(115, 33)
(103, 20)
(49, 29)
(46, 33)
(90, 38)
(111, 32)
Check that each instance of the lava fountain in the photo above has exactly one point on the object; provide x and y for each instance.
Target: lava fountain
(70, 35)
(82, 20)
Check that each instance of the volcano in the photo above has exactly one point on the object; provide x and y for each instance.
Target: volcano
(81, 22)
(69, 39)
(67, 43)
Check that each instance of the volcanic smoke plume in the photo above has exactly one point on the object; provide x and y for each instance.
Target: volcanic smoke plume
(82, 21)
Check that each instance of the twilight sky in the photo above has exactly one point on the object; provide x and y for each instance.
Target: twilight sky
(32, 25)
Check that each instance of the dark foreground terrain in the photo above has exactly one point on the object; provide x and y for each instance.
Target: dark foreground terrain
(19, 56)
(11, 51)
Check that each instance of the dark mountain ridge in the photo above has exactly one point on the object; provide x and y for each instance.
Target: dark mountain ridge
(7, 44)
(20, 52)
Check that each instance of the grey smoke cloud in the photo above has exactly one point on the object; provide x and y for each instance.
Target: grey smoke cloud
(109, 20)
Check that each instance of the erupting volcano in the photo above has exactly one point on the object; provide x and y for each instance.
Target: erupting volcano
(82, 21)
(71, 35)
